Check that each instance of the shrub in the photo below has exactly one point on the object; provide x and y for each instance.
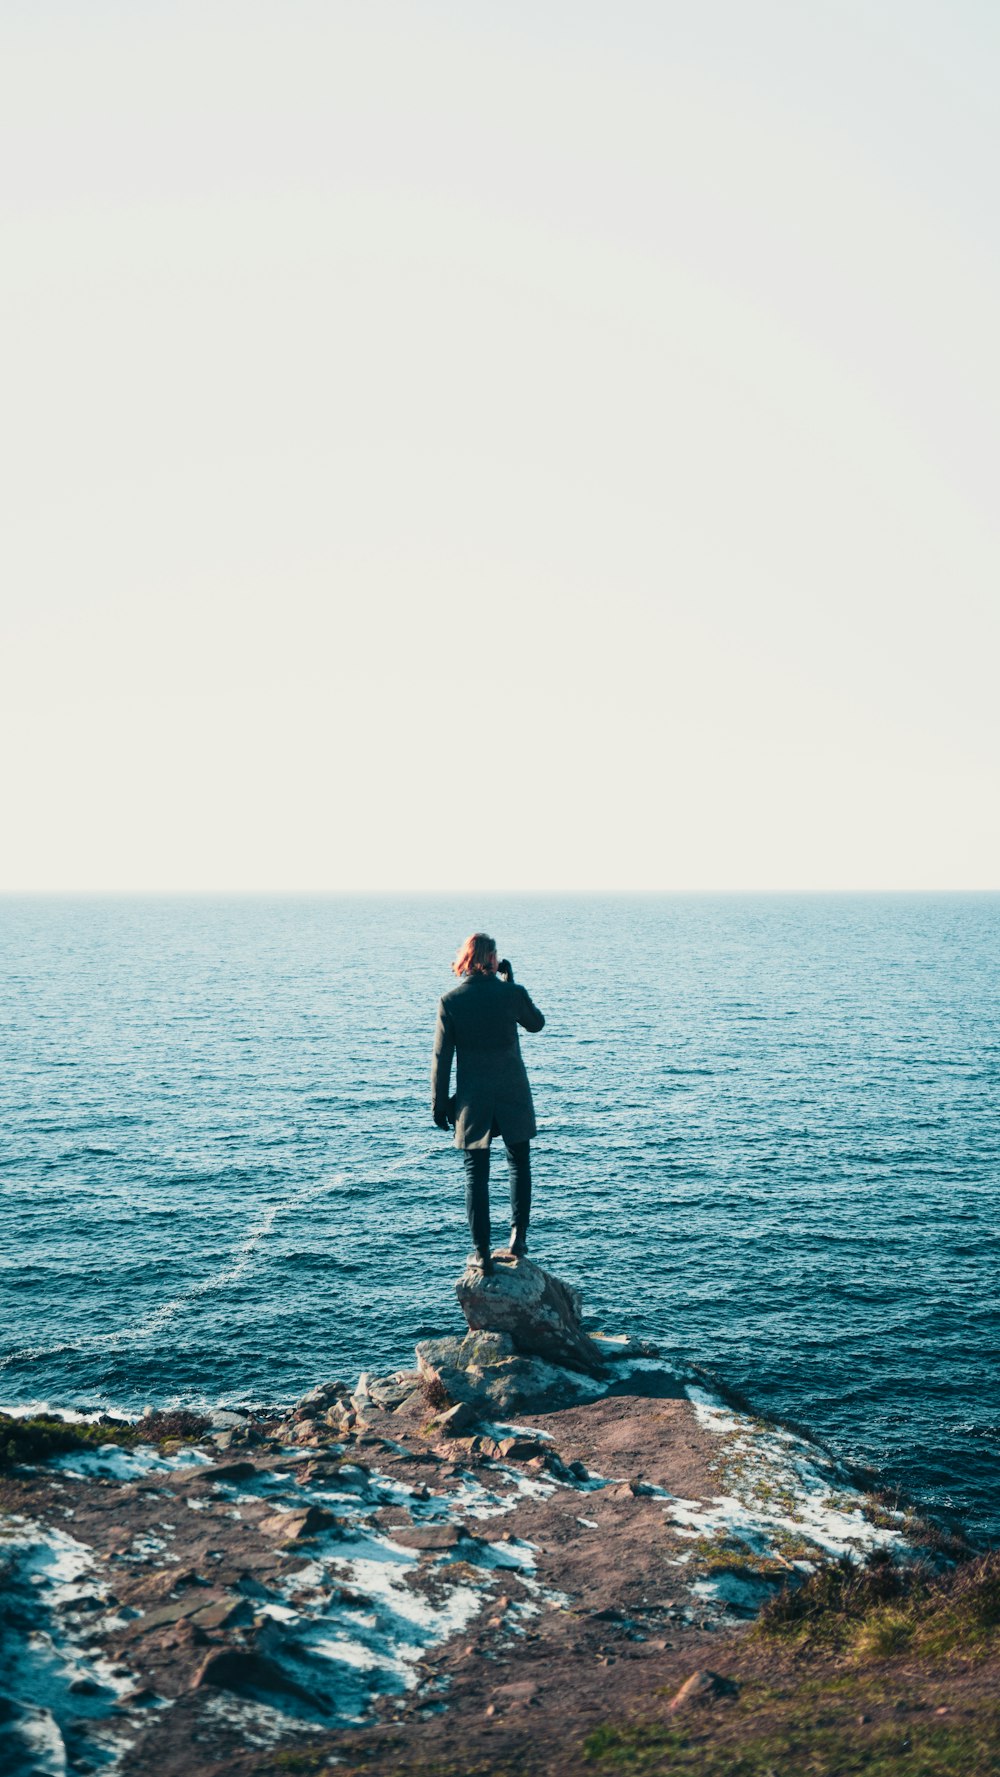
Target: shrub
(882, 1609)
(436, 1395)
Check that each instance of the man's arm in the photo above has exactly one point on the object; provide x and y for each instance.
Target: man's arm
(527, 1012)
(444, 1050)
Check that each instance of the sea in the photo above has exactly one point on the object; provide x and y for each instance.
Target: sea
(768, 1140)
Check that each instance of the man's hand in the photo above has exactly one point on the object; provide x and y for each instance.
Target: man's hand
(504, 969)
(441, 1120)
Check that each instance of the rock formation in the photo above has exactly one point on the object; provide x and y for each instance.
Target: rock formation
(541, 1315)
(525, 1351)
(485, 1373)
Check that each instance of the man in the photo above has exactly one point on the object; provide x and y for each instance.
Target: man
(477, 1022)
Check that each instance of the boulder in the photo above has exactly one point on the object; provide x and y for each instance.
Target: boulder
(389, 1392)
(229, 1613)
(521, 1449)
(249, 1674)
(174, 1612)
(442, 1372)
(455, 1420)
(485, 1372)
(702, 1687)
(318, 1400)
(226, 1419)
(540, 1314)
(306, 1432)
(352, 1475)
(482, 1350)
(142, 1697)
(431, 1537)
(295, 1525)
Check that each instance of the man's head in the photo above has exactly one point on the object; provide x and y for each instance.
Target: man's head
(478, 956)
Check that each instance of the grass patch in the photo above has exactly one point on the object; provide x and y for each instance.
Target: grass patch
(634, 1746)
(892, 1635)
(881, 1610)
(728, 1555)
(813, 1747)
(33, 1440)
(36, 1439)
(924, 1533)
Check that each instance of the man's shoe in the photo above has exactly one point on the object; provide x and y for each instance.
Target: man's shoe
(484, 1262)
(519, 1243)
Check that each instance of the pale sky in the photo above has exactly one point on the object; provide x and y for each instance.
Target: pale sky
(530, 446)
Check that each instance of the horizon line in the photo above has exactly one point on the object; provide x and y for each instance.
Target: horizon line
(292, 894)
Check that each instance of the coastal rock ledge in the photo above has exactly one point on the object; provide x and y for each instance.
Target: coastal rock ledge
(396, 1578)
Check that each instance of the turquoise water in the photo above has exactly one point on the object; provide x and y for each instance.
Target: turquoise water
(768, 1138)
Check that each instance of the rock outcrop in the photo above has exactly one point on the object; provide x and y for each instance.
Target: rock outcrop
(356, 1561)
(540, 1314)
(488, 1375)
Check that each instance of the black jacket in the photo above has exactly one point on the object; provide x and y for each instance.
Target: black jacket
(477, 1022)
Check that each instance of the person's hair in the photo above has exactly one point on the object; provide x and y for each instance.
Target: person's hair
(474, 956)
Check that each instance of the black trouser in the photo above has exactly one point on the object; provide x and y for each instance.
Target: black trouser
(477, 1190)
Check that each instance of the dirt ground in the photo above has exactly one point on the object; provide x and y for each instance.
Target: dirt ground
(552, 1605)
